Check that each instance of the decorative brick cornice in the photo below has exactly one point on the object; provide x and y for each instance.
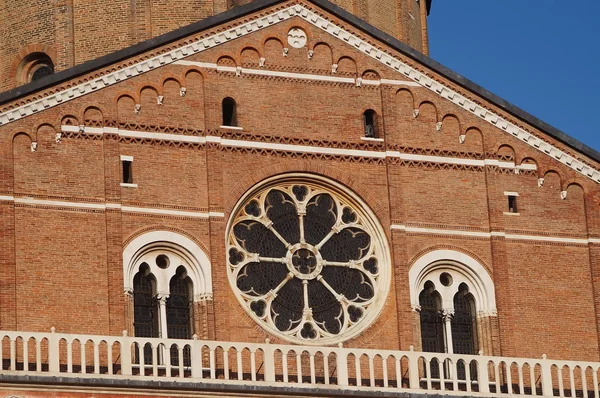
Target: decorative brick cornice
(117, 74)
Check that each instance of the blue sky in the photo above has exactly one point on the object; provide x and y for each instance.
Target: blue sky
(541, 55)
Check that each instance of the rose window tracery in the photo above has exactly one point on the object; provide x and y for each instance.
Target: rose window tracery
(308, 261)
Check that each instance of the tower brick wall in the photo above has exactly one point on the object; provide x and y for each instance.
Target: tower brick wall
(75, 31)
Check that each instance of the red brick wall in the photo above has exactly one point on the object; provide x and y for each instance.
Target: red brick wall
(62, 266)
(76, 31)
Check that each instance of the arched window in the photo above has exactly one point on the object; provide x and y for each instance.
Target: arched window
(464, 323)
(229, 112)
(432, 334)
(464, 291)
(145, 309)
(179, 306)
(179, 313)
(145, 321)
(370, 122)
(34, 66)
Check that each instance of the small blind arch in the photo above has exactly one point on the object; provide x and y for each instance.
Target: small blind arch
(229, 107)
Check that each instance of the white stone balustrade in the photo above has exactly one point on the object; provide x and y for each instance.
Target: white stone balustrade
(290, 366)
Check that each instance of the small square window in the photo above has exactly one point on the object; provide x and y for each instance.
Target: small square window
(127, 171)
(512, 204)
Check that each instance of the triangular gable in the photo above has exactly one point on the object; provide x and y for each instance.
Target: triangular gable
(298, 10)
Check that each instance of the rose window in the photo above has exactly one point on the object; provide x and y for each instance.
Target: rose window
(307, 261)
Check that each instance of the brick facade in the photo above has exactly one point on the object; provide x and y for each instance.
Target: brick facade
(74, 31)
(62, 263)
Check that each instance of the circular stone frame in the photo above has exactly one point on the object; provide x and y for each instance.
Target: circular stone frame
(252, 229)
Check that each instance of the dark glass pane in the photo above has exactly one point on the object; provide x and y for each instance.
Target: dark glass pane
(282, 212)
(349, 282)
(432, 337)
(145, 320)
(288, 306)
(145, 313)
(348, 244)
(321, 215)
(257, 279)
(463, 340)
(41, 72)
(327, 311)
(178, 315)
(256, 238)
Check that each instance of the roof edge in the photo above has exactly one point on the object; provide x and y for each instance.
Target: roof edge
(258, 5)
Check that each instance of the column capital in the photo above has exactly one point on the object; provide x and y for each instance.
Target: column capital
(447, 314)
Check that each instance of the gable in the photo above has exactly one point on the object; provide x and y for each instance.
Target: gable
(409, 74)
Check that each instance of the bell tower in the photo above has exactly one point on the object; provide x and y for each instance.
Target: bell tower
(39, 38)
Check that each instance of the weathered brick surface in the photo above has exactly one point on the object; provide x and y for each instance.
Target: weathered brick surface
(62, 266)
(74, 31)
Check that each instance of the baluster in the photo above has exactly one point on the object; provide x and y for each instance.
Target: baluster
(313, 376)
(454, 375)
(584, 382)
(384, 365)
(96, 358)
(532, 379)
(109, 355)
(428, 374)
(284, 365)
(440, 364)
(168, 366)
(253, 365)
(226, 363)
(595, 381)
(399, 372)
(142, 356)
(13, 354)
(371, 372)
(561, 386)
(38, 355)
(357, 368)
(213, 364)
(25, 355)
(240, 371)
(181, 374)
(70, 356)
(497, 376)
(572, 377)
(155, 347)
(521, 383)
(299, 367)
(468, 377)
(509, 378)
(326, 368)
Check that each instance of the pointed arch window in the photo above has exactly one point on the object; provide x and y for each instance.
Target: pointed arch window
(432, 334)
(145, 305)
(464, 322)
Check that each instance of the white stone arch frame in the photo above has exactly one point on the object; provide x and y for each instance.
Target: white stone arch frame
(193, 258)
(463, 269)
